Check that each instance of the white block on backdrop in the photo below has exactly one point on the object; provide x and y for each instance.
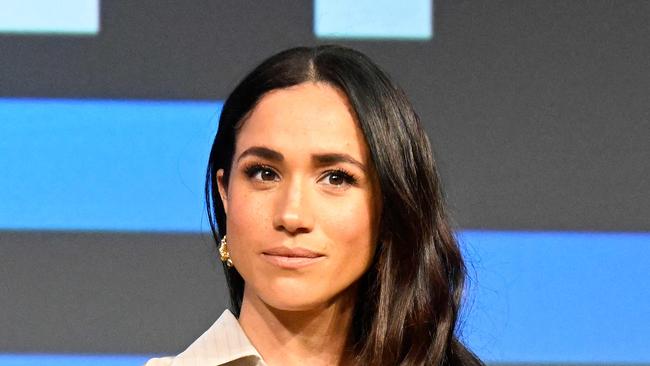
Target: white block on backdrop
(56, 17)
(374, 19)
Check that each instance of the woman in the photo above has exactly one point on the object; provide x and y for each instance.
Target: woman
(324, 198)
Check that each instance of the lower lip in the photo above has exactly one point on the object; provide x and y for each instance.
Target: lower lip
(291, 262)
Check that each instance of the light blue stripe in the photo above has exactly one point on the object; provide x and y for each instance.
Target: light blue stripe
(560, 296)
(104, 165)
(72, 360)
(75, 17)
(374, 19)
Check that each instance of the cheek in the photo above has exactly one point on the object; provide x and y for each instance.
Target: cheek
(245, 218)
(350, 226)
(239, 212)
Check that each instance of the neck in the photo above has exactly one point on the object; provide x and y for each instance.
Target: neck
(307, 337)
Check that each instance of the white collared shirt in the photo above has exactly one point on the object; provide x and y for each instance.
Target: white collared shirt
(223, 343)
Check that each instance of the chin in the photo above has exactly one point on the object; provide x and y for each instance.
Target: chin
(303, 298)
(293, 298)
(292, 305)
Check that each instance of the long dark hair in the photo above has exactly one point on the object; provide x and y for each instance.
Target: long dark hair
(409, 300)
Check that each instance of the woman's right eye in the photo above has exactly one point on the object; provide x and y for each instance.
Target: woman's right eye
(261, 173)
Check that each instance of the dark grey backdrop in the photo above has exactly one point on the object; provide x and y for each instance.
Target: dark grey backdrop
(539, 113)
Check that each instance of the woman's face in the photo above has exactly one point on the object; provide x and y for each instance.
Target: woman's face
(302, 201)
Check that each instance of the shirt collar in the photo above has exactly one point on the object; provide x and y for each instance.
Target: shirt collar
(225, 341)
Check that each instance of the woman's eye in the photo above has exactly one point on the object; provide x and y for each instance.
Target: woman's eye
(336, 179)
(267, 175)
(339, 178)
(261, 173)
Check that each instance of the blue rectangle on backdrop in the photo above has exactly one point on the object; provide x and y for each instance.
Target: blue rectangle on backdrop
(104, 165)
(559, 297)
(72, 360)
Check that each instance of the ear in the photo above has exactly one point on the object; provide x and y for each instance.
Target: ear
(222, 189)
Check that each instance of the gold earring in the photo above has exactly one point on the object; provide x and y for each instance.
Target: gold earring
(223, 252)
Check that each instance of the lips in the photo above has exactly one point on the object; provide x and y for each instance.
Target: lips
(292, 252)
(291, 258)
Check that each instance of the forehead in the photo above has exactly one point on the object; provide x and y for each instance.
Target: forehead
(306, 118)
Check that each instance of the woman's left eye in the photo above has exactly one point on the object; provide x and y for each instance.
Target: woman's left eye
(339, 178)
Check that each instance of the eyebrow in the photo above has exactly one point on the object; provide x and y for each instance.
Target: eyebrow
(318, 159)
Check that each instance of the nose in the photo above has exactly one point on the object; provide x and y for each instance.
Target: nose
(293, 211)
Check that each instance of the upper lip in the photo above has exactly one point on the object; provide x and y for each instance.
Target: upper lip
(292, 252)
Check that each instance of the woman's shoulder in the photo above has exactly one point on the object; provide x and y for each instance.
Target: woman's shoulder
(223, 343)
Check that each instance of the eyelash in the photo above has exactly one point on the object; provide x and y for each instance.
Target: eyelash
(255, 168)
